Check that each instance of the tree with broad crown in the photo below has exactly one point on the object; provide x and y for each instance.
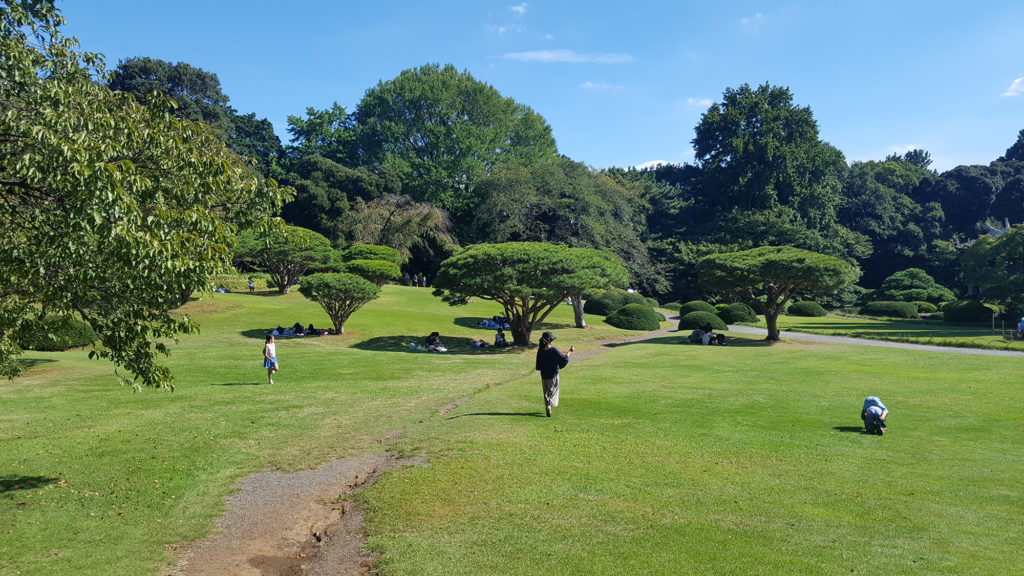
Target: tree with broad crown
(996, 266)
(376, 271)
(109, 210)
(339, 294)
(776, 272)
(529, 279)
(285, 254)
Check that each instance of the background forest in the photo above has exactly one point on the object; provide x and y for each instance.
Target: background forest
(434, 159)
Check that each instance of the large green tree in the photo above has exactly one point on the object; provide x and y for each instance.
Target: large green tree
(776, 273)
(340, 295)
(529, 279)
(109, 210)
(286, 254)
(995, 266)
(443, 130)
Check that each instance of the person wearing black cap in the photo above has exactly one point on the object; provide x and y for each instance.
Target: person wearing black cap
(549, 361)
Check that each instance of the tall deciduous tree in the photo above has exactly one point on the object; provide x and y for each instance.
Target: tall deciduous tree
(285, 254)
(443, 130)
(328, 133)
(529, 279)
(109, 210)
(777, 273)
(996, 266)
(400, 222)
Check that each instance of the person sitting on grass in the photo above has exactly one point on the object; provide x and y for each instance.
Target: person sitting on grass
(480, 343)
(434, 343)
(499, 339)
(873, 414)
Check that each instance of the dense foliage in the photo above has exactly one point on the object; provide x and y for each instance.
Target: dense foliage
(698, 319)
(611, 300)
(697, 305)
(56, 333)
(966, 312)
(285, 254)
(635, 317)
(339, 294)
(737, 313)
(807, 308)
(910, 285)
(890, 309)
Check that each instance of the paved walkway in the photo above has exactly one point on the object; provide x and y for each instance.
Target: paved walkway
(740, 329)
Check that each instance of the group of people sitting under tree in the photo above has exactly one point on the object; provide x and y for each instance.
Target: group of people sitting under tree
(298, 329)
(499, 341)
(706, 335)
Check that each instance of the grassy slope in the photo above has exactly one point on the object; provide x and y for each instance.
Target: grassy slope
(94, 476)
(915, 331)
(668, 459)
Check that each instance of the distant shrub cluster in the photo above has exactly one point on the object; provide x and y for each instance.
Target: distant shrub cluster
(806, 308)
(697, 306)
(925, 307)
(635, 317)
(611, 300)
(889, 309)
(966, 312)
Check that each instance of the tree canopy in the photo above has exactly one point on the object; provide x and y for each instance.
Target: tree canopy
(529, 279)
(286, 254)
(110, 209)
(776, 273)
(339, 294)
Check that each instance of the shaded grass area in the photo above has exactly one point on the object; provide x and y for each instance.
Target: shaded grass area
(929, 332)
(710, 460)
(95, 479)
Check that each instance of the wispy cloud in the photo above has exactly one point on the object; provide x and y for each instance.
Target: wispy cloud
(1015, 89)
(702, 102)
(754, 20)
(600, 86)
(569, 57)
(519, 9)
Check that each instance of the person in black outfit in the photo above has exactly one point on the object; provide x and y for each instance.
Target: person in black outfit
(549, 361)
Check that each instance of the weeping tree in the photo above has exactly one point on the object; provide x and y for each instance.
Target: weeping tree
(401, 223)
(529, 279)
(777, 273)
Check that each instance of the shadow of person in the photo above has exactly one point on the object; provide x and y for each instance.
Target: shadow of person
(528, 414)
(850, 429)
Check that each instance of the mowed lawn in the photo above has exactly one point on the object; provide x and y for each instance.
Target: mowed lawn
(662, 459)
(748, 459)
(96, 479)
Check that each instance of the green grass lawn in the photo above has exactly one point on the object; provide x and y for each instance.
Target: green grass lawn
(934, 333)
(662, 458)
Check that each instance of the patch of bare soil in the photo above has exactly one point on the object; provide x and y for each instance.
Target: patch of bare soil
(292, 524)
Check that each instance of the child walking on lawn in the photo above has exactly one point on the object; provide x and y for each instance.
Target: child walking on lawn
(270, 358)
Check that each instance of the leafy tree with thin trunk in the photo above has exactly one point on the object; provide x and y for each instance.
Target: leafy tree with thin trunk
(109, 209)
(777, 273)
(529, 279)
(286, 254)
(339, 294)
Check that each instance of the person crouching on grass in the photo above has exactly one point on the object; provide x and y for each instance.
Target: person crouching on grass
(270, 358)
(549, 361)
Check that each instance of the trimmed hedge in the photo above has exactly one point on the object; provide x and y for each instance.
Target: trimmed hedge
(652, 302)
(371, 252)
(66, 333)
(889, 309)
(966, 312)
(634, 317)
(697, 306)
(240, 282)
(807, 308)
(698, 319)
(925, 307)
(737, 313)
(611, 300)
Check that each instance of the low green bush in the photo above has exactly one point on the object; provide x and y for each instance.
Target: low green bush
(890, 309)
(966, 312)
(652, 302)
(737, 313)
(925, 307)
(634, 317)
(371, 252)
(240, 283)
(611, 300)
(807, 308)
(697, 306)
(674, 305)
(56, 334)
(698, 319)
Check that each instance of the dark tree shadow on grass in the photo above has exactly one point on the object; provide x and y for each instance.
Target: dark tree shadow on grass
(455, 345)
(12, 482)
(679, 340)
(240, 384)
(850, 429)
(28, 363)
(528, 414)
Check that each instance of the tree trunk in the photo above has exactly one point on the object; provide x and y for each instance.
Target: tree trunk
(771, 319)
(520, 332)
(577, 310)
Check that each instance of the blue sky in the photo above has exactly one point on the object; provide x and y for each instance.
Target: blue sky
(621, 83)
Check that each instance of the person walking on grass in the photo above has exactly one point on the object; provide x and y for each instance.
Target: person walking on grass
(270, 358)
(549, 361)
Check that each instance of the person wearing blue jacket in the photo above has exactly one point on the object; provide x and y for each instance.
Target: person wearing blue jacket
(873, 414)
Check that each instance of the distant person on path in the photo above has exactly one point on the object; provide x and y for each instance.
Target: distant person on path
(270, 358)
(549, 361)
(252, 285)
(873, 414)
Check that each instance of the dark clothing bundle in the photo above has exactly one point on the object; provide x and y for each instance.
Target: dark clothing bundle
(549, 361)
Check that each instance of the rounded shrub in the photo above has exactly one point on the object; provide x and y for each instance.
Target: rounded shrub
(966, 312)
(66, 334)
(674, 305)
(652, 302)
(698, 319)
(372, 252)
(377, 271)
(807, 308)
(937, 316)
(925, 307)
(611, 300)
(889, 309)
(737, 313)
(697, 306)
(634, 317)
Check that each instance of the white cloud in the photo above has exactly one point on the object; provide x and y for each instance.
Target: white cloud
(568, 56)
(753, 20)
(1015, 89)
(600, 86)
(520, 9)
(651, 164)
(702, 102)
